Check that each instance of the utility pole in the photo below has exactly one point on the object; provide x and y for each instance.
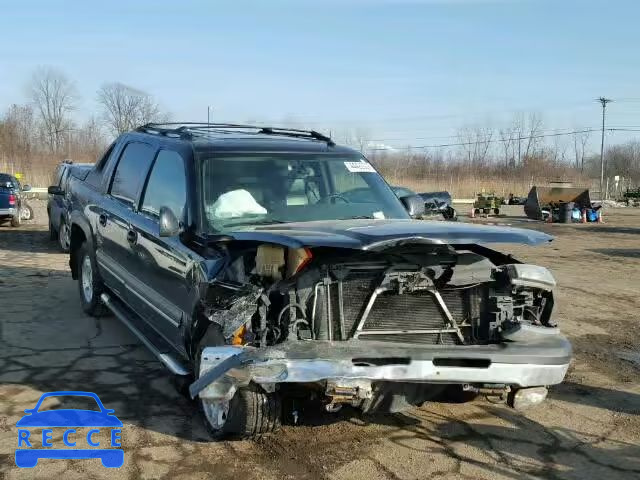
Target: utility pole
(603, 101)
(208, 114)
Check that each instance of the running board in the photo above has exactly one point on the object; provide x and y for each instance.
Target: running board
(158, 346)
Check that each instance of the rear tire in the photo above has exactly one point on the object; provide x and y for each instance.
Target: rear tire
(16, 221)
(90, 283)
(496, 211)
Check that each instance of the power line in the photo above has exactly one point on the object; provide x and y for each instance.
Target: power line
(500, 140)
(488, 135)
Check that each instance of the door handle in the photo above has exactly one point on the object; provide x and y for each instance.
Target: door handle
(102, 219)
(132, 236)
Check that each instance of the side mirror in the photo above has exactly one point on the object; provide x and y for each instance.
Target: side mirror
(169, 224)
(414, 205)
(26, 188)
(52, 190)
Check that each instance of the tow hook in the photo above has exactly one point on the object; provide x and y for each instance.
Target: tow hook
(493, 393)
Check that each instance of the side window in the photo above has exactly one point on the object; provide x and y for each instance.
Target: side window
(167, 185)
(130, 171)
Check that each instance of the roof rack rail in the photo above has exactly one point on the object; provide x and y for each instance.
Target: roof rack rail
(185, 129)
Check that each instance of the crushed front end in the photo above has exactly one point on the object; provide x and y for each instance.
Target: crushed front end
(381, 328)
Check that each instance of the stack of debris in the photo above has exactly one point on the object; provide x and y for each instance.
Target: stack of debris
(558, 203)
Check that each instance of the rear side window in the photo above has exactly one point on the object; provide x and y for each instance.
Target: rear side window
(130, 171)
(167, 186)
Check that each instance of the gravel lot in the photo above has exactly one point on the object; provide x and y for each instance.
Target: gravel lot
(589, 427)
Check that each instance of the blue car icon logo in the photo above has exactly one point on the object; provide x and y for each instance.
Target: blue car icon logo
(28, 453)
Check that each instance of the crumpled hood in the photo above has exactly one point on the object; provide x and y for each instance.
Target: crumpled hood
(365, 234)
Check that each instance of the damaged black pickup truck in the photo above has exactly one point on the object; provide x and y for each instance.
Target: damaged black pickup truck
(239, 258)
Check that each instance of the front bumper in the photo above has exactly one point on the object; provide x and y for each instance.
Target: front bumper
(540, 361)
(8, 212)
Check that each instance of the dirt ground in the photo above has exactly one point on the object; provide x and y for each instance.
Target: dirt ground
(589, 428)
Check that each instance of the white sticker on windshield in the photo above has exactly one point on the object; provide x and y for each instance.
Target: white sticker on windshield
(378, 215)
(359, 167)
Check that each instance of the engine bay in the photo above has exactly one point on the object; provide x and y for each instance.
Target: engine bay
(430, 294)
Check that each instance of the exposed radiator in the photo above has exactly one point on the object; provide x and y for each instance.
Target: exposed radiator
(392, 312)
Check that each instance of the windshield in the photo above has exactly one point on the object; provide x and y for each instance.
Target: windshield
(254, 189)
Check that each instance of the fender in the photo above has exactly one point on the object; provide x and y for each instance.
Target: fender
(78, 221)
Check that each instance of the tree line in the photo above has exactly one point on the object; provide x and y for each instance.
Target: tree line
(41, 131)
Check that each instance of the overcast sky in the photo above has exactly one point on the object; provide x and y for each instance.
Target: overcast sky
(406, 71)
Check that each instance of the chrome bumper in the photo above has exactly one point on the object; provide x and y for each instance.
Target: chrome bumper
(537, 363)
(8, 211)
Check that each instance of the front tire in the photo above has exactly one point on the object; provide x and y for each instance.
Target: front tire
(53, 235)
(90, 284)
(251, 413)
(64, 236)
(26, 213)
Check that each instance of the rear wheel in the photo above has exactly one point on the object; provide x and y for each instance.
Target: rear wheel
(496, 211)
(89, 283)
(16, 220)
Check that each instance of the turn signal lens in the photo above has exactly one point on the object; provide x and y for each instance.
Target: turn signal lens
(238, 337)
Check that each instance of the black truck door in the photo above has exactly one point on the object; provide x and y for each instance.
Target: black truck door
(114, 252)
(161, 263)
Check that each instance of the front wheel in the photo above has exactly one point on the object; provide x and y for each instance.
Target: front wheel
(249, 414)
(53, 235)
(89, 283)
(26, 213)
(64, 237)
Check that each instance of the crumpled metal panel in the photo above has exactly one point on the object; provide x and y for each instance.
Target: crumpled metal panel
(369, 234)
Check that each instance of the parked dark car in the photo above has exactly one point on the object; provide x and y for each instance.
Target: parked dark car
(13, 205)
(516, 200)
(242, 258)
(58, 203)
(435, 203)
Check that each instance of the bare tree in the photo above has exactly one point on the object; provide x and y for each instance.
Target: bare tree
(527, 131)
(17, 132)
(125, 108)
(54, 97)
(89, 139)
(508, 140)
(358, 137)
(533, 128)
(580, 140)
(475, 143)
